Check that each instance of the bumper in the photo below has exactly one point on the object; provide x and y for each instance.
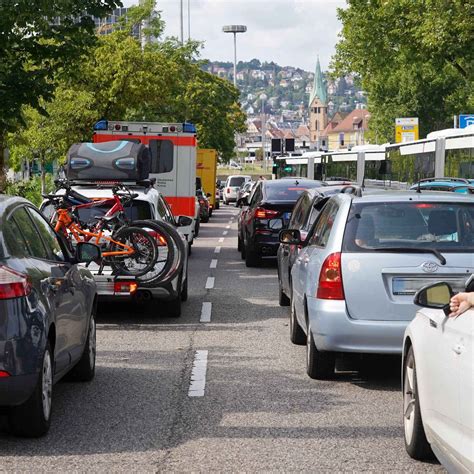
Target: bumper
(266, 246)
(16, 389)
(334, 330)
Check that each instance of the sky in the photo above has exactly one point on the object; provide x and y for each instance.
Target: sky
(289, 32)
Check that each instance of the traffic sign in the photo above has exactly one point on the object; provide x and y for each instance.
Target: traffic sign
(406, 129)
(465, 120)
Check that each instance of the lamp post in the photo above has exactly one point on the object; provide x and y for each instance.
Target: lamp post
(181, 25)
(234, 29)
(263, 98)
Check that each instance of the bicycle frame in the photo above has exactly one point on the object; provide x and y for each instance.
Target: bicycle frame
(65, 223)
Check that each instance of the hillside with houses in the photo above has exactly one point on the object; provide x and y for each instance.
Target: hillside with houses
(287, 89)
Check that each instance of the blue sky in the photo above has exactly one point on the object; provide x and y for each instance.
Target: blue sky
(289, 32)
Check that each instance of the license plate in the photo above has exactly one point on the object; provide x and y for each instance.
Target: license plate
(409, 286)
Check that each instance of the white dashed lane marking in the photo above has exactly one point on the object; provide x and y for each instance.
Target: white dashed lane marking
(210, 283)
(225, 232)
(213, 263)
(217, 250)
(206, 312)
(221, 240)
(198, 375)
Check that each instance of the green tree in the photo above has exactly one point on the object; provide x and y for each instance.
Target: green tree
(412, 58)
(35, 46)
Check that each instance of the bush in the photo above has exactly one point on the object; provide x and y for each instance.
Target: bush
(29, 189)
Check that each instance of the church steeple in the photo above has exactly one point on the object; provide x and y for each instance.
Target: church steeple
(319, 89)
(318, 109)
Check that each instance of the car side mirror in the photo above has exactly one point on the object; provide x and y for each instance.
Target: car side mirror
(87, 252)
(290, 236)
(183, 221)
(208, 195)
(435, 296)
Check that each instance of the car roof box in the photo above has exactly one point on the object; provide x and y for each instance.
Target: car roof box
(115, 160)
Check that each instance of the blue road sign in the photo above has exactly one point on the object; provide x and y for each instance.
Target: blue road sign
(465, 120)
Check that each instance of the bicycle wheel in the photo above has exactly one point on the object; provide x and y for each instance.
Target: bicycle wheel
(171, 252)
(145, 252)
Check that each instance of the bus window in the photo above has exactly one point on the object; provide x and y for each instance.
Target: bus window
(459, 157)
(342, 166)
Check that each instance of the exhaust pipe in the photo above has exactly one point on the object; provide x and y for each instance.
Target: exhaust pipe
(143, 296)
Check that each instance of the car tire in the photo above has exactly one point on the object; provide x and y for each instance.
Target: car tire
(297, 335)
(205, 220)
(84, 370)
(319, 365)
(190, 248)
(283, 300)
(252, 259)
(242, 251)
(416, 444)
(210, 212)
(218, 204)
(239, 244)
(33, 418)
(197, 227)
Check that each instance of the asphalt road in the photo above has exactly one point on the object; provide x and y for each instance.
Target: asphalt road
(244, 405)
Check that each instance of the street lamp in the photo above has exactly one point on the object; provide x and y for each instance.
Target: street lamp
(263, 98)
(234, 29)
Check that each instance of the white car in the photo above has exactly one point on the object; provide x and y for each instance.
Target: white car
(438, 380)
(232, 186)
(233, 165)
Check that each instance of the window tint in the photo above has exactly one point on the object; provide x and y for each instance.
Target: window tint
(324, 225)
(300, 212)
(236, 181)
(136, 210)
(47, 234)
(14, 240)
(281, 191)
(29, 233)
(443, 226)
(162, 160)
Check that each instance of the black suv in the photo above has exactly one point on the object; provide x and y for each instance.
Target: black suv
(269, 211)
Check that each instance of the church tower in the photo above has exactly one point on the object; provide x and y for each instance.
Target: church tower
(318, 109)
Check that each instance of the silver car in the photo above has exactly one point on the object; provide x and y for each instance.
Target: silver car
(365, 257)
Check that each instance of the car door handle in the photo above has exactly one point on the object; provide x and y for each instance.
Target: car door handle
(458, 348)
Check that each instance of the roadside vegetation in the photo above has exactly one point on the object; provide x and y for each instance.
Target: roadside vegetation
(414, 59)
(108, 76)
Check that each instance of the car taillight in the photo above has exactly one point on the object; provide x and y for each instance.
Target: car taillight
(262, 213)
(13, 284)
(330, 279)
(4, 373)
(125, 287)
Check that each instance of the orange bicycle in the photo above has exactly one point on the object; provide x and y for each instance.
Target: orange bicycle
(128, 250)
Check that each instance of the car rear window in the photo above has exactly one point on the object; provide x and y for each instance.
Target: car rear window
(446, 227)
(237, 181)
(281, 191)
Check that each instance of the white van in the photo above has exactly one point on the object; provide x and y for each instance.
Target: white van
(232, 186)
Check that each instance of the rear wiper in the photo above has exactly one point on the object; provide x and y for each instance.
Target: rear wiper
(435, 252)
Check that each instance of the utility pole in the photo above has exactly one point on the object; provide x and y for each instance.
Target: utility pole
(263, 98)
(189, 20)
(181, 20)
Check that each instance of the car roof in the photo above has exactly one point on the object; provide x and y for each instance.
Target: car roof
(239, 176)
(397, 196)
(6, 201)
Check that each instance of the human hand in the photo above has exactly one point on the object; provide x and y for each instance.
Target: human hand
(460, 303)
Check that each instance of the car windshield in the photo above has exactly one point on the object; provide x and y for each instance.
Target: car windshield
(446, 227)
(236, 181)
(287, 191)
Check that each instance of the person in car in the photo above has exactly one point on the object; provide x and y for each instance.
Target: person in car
(460, 303)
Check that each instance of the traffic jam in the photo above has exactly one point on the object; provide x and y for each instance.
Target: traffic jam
(364, 267)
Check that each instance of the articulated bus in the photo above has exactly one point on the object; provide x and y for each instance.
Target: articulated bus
(445, 153)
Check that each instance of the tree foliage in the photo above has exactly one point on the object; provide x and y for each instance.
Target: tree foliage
(413, 59)
(119, 80)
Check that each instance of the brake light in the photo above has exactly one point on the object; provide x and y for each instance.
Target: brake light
(125, 287)
(262, 213)
(13, 284)
(424, 205)
(330, 279)
(4, 374)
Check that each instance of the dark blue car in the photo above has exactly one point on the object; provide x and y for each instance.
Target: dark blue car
(47, 309)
